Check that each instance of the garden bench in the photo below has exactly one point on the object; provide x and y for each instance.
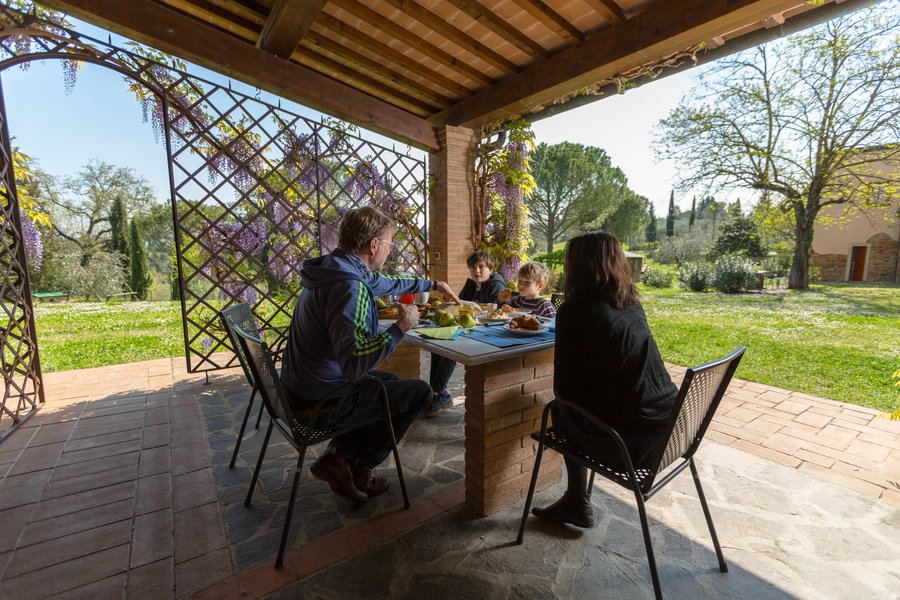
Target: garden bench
(121, 295)
(51, 296)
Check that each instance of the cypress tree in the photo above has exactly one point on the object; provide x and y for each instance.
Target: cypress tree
(140, 271)
(651, 226)
(670, 218)
(693, 212)
(118, 227)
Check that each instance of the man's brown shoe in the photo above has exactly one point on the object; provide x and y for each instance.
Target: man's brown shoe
(365, 481)
(334, 470)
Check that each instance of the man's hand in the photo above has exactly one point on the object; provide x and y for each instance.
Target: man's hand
(407, 317)
(503, 297)
(448, 293)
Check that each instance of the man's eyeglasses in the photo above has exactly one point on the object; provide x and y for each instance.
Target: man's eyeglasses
(389, 243)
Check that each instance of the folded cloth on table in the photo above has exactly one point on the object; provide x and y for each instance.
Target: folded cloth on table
(439, 333)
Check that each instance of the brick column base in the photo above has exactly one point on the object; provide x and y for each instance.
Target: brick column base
(504, 401)
(404, 362)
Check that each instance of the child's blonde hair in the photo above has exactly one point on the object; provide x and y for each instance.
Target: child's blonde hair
(536, 272)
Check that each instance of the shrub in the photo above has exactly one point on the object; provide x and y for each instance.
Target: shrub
(733, 273)
(561, 283)
(682, 248)
(657, 278)
(695, 275)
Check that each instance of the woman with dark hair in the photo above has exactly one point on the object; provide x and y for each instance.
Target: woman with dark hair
(607, 362)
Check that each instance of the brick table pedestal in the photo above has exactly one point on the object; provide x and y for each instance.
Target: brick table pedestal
(504, 401)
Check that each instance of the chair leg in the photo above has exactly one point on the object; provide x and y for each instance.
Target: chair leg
(530, 496)
(237, 444)
(723, 566)
(645, 526)
(390, 431)
(259, 462)
(590, 487)
(262, 407)
(290, 510)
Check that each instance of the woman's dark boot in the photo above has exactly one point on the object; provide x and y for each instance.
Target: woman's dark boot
(574, 509)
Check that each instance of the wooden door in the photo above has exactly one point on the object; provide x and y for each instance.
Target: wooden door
(857, 263)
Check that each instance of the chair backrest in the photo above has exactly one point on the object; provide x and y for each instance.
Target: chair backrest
(557, 300)
(697, 401)
(259, 359)
(241, 316)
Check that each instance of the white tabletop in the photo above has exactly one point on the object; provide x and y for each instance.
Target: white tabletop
(468, 351)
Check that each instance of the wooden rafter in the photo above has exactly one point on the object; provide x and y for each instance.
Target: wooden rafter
(610, 10)
(463, 40)
(552, 20)
(288, 22)
(328, 25)
(367, 15)
(500, 27)
(166, 29)
(661, 30)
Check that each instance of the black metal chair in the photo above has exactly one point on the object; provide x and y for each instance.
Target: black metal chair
(557, 300)
(300, 434)
(241, 316)
(696, 403)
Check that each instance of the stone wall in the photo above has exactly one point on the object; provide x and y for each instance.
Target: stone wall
(832, 267)
(883, 258)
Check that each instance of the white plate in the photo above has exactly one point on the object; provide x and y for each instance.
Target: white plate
(494, 321)
(520, 331)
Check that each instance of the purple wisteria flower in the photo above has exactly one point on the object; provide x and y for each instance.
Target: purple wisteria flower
(31, 238)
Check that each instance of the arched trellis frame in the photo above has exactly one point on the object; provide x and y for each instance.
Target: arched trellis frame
(255, 190)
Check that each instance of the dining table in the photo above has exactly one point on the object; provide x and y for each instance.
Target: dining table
(508, 381)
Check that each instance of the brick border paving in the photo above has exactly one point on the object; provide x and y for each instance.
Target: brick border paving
(108, 489)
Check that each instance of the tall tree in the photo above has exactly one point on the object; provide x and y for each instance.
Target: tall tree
(119, 236)
(651, 234)
(811, 120)
(80, 210)
(140, 272)
(693, 212)
(629, 218)
(671, 216)
(574, 185)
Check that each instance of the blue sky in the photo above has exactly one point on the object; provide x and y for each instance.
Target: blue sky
(100, 120)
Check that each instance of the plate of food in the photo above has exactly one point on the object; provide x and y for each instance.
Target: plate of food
(495, 317)
(526, 325)
(388, 313)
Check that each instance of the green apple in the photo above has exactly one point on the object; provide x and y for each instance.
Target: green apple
(467, 320)
(446, 320)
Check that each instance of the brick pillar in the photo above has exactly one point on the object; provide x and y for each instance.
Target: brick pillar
(404, 362)
(452, 171)
(504, 401)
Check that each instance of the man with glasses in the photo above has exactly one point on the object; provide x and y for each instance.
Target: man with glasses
(334, 342)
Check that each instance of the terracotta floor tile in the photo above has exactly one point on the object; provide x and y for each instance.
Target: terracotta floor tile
(70, 523)
(152, 582)
(77, 502)
(23, 489)
(193, 489)
(155, 435)
(153, 493)
(106, 439)
(57, 579)
(91, 481)
(68, 548)
(155, 461)
(77, 456)
(198, 531)
(201, 572)
(51, 433)
(37, 458)
(81, 469)
(12, 522)
(152, 538)
(111, 587)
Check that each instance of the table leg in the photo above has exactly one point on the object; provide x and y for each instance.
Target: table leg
(504, 401)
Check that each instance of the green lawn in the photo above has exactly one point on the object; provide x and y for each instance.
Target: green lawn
(840, 342)
(77, 335)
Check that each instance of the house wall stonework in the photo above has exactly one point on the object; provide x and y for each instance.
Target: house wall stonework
(884, 254)
(832, 267)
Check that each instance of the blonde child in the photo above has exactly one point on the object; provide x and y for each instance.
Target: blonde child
(533, 278)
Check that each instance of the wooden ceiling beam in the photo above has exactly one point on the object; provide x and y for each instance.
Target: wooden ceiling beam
(610, 10)
(364, 64)
(165, 29)
(402, 35)
(500, 27)
(552, 20)
(326, 24)
(288, 22)
(666, 28)
(424, 16)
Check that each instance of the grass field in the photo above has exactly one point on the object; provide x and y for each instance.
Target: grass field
(840, 342)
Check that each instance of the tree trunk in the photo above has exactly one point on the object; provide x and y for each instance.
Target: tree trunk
(798, 279)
